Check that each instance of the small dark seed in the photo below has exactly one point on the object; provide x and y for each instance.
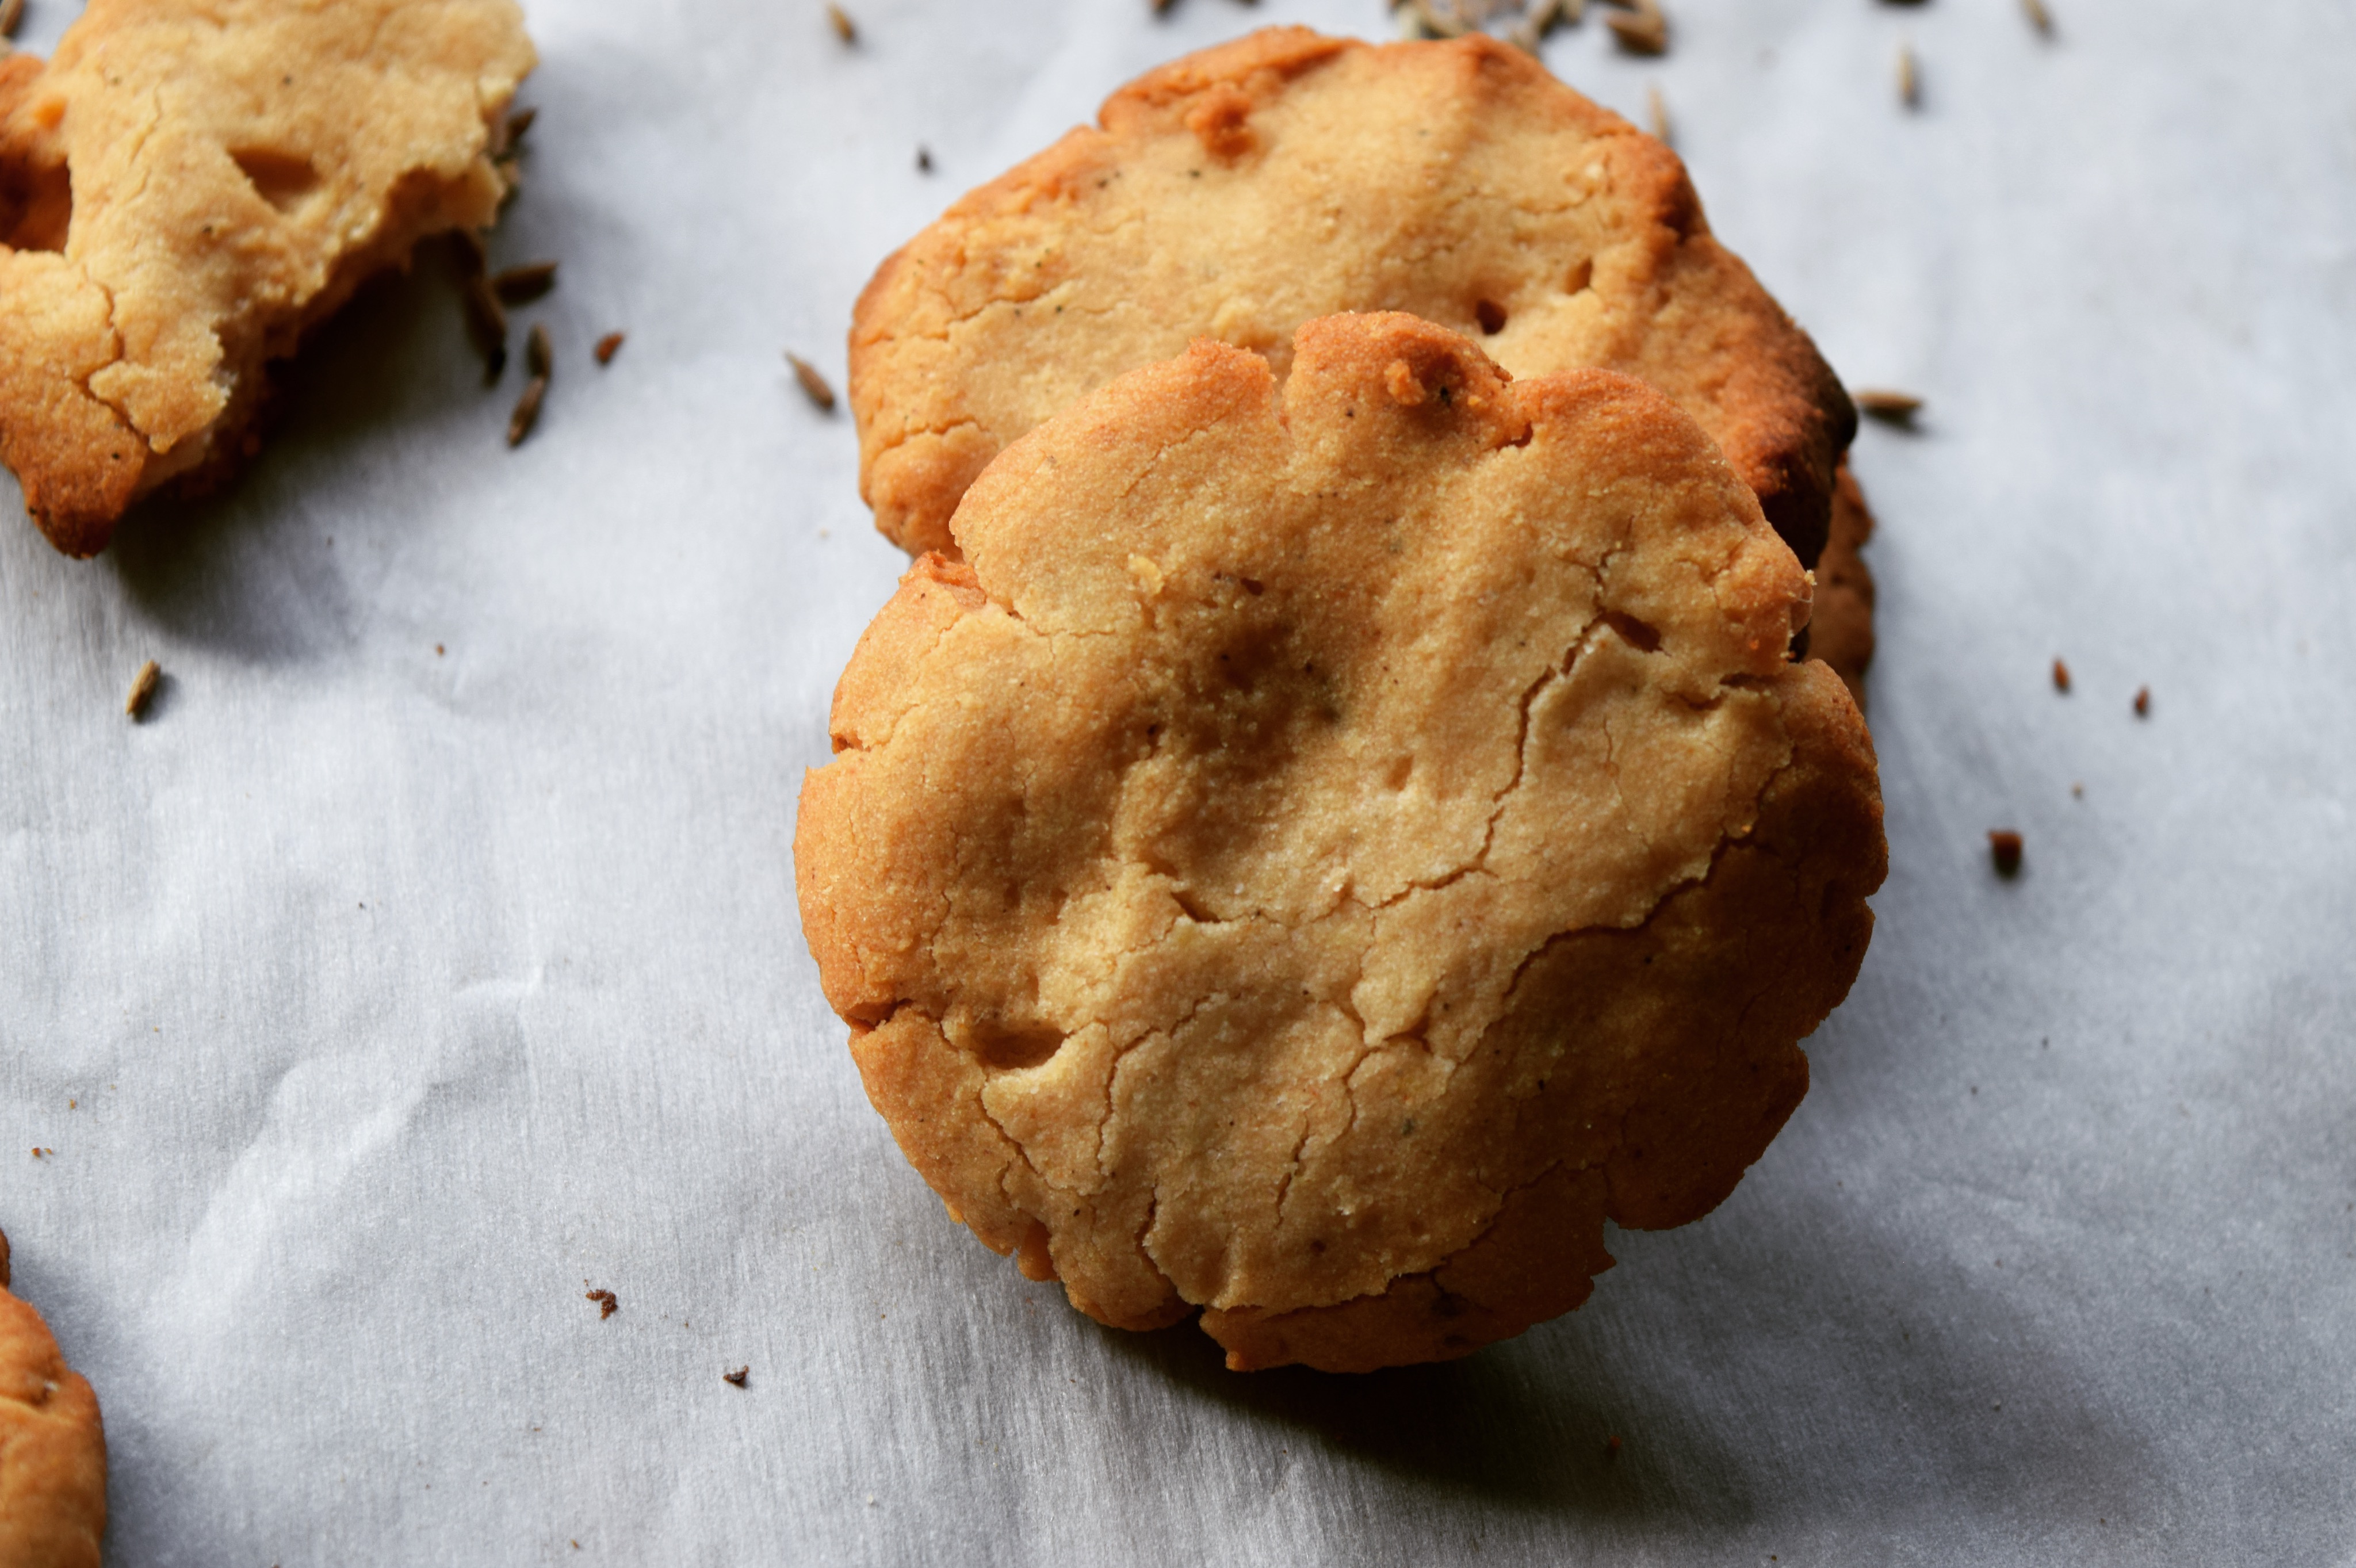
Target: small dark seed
(521, 285)
(2060, 676)
(2004, 848)
(814, 386)
(924, 160)
(538, 358)
(737, 1377)
(2038, 17)
(1891, 407)
(487, 324)
(607, 347)
(844, 27)
(11, 13)
(527, 409)
(2143, 702)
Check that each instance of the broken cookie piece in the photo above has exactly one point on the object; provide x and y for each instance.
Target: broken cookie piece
(52, 1446)
(186, 188)
(1332, 844)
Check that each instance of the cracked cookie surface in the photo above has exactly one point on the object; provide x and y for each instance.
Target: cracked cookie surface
(186, 187)
(52, 1446)
(1332, 844)
(1238, 192)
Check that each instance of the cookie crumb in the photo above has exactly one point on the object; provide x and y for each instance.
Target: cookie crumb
(1644, 32)
(844, 27)
(537, 356)
(521, 285)
(607, 1304)
(142, 690)
(437, 650)
(527, 409)
(924, 159)
(2038, 17)
(737, 1377)
(1910, 80)
(1659, 109)
(2143, 702)
(1890, 407)
(2060, 676)
(607, 347)
(2004, 848)
(814, 386)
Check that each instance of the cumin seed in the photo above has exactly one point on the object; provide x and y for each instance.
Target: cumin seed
(2004, 848)
(844, 27)
(607, 347)
(521, 285)
(142, 690)
(1646, 32)
(2143, 702)
(538, 359)
(1891, 407)
(1909, 82)
(11, 13)
(2060, 676)
(487, 324)
(527, 409)
(2038, 17)
(924, 159)
(1660, 112)
(814, 386)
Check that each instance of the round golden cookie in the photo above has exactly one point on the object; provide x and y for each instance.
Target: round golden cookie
(1332, 842)
(1241, 191)
(52, 1446)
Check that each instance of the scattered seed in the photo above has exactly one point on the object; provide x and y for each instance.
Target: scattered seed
(607, 347)
(2143, 702)
(2038, 17)
(521, 285)
(1644, 31)
(1891, 407)
(1659, 106)
(520, 121)
(142, 688)
(527, 409)
(924, 160)
(11, 13)
(813, 385)
(2060, 676)
(1910, 80)
(2004, 848)
(606, 1305)
(737, 1377)
(844, 27)
(437, 650)
(538, 358)
(487, 324)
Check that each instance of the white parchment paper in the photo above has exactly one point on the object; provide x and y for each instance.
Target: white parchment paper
(429, 956)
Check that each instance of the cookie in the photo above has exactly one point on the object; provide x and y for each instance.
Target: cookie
(1335, 840)
(1238, 192)
(52, 1446)
(185, 188)
(1841, 631)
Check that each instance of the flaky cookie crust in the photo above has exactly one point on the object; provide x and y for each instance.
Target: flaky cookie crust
(52, 1446)
(1841, 630)
(190, 185)
(1238, 192)
(1332, 842)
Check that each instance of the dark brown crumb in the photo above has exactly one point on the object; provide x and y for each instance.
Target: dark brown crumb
(437, 650)
(527, 409)
(607, 347)
(142, 689)
(2143, 702)
(606, 1305)
(11, 13)
(844, 27)
(1890, 407)
(38, 1151)
(813, 385)
(2004, 848)
(737, 1377)
(2060, 676)
(924, 160)
(519, 122)
(539, 358)
(521, 285)
(487, 324)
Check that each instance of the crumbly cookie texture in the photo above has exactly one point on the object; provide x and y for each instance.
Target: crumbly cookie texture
(1238, 192)
(1841, 631)
(186, 187)
(52, 1447)
(1333, 842)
